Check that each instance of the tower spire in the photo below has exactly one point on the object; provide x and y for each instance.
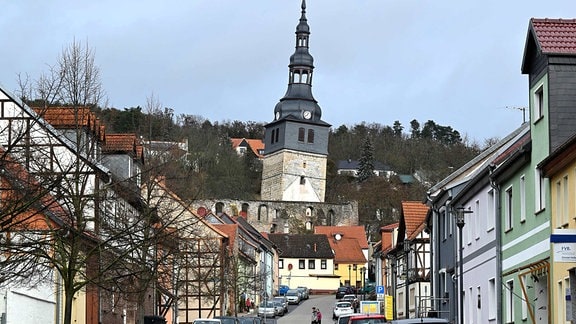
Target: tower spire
(298, 101)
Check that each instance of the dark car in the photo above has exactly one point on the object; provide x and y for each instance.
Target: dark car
(346, 290)
(227, 319)
(249, 320)
(304, 291)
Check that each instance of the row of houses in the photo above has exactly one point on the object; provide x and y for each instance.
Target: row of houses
(91, 233)
(494, 241)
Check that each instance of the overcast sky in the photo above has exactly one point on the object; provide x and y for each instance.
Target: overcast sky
(451, 61)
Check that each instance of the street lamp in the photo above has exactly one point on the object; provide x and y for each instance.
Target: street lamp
(355, 268)
(406, 247)
(460, 222)
(349, 274)
(362, 270)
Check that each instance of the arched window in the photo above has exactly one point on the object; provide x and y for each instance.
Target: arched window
(262, 212)
(301, 132)
(302, 180)
(310, 136)
(244, 210)
(331, 220)
(309, 212)
(219, 208)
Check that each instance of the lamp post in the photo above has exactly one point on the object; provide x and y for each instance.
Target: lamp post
(406, 247)
(349, 274)
(362, 281)
(460, 222)
(355, 268)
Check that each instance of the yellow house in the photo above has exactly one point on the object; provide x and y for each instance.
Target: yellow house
(560, 168)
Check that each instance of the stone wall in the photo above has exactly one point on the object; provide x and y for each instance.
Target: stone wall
(283, 216)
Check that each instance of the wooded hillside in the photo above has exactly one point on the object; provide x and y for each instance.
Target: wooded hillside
(214, 170)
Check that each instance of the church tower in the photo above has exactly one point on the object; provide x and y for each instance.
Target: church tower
(296, 142)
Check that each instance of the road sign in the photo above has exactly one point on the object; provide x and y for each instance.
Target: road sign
(380, 289)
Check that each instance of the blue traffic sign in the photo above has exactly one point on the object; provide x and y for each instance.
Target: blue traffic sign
(379, 289)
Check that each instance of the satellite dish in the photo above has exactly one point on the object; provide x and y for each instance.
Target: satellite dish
(338, 237)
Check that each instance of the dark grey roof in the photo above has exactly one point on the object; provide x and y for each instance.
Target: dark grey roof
(310, 246)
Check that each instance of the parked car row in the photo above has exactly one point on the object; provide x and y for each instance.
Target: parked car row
(296, 295)
(229, 320)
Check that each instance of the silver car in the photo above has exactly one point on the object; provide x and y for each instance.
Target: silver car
(284, 301)
(293, 296)
(267, 309)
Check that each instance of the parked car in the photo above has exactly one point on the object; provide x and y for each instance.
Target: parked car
(293, 296)
(343, 319)
(284, 301)
(267, 309)
(343, 291)
(421, 320)
(227, 319)
(249, 320)
(369, 287)
(353, 300)
(368, 319)
(341, 308)
(206, 321)
(279, 308)
(282, 290)
(304, 292)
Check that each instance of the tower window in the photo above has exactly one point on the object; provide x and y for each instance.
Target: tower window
(301, 132)
(310, 136)
(277, 135)
(272, 136)
(302, 180)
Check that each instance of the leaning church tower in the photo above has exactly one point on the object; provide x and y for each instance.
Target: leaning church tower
(296, 141)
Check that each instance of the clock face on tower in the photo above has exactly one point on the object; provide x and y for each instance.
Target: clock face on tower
(307, 114)
(277, 115)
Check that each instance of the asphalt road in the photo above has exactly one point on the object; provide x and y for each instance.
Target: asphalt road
(302, 314)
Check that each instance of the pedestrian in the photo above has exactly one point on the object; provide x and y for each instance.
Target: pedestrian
(314, 316)
(318, 316)
(248, 304)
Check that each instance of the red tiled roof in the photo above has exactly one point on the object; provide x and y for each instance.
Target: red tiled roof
(123, 143)
(355, 232)
(555, 36)
(72, 117)
(255, 145)
(414, 213)
(349, 248)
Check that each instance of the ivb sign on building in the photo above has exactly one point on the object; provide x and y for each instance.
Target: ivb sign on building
(564, 245)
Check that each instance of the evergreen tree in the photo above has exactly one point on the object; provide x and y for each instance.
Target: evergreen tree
(366, 167)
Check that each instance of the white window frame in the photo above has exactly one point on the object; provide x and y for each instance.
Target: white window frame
(509, 301)
(538, 108)
(522, 198)
(492, 299)
(491, 210)
(508, 208)
(539, 198)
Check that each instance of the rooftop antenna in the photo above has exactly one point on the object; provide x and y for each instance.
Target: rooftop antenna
(523, 111)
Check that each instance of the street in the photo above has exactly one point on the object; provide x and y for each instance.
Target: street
(302, 313)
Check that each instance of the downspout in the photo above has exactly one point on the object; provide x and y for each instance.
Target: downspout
(454, 301)
(433, 264)
(498, 229)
